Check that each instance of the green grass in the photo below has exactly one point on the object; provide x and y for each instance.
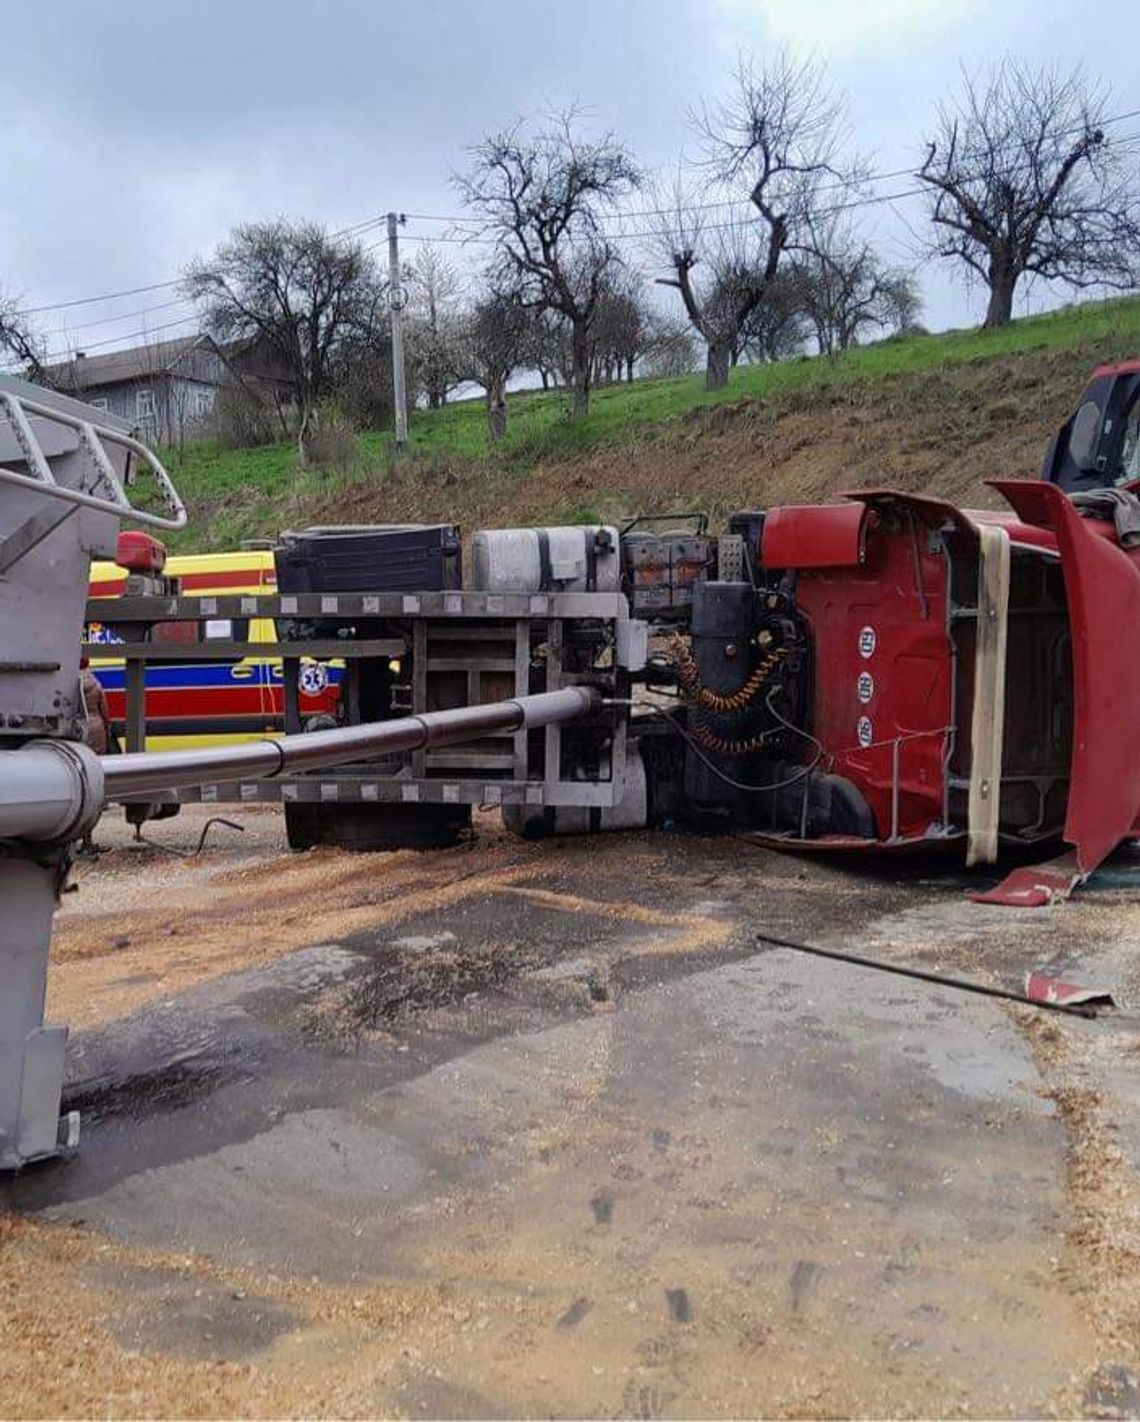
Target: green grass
(244, 493)
(540, 427)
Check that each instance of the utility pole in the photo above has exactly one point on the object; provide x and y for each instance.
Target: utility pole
(396, 302)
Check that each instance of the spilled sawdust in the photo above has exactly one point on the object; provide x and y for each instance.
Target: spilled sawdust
(1099, 1257)
(1102, 1249)
(109, 962)
(59, 1353)
(60, 1357)
(689, 933)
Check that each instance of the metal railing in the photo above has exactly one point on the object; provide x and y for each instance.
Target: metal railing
(92, 437)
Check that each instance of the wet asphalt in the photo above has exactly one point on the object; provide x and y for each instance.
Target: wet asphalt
(674, 1170)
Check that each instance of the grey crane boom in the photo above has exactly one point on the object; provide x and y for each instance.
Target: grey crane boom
(50, 789)
(149, 771)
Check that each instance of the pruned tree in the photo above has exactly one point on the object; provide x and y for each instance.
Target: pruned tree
(844, 289)
(1023, 180)
(716, 270)
(541, 197)
(492, 345)
(773, 143)
(297, 290)
(433, 325)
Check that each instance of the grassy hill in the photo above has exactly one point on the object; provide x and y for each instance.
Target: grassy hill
(938, 413)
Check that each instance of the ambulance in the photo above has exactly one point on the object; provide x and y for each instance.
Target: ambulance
(204, 703)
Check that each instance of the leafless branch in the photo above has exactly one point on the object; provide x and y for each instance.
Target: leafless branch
(1023, 179)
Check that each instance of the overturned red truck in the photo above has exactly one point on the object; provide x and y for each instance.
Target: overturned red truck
(898, 673)
(887, 674)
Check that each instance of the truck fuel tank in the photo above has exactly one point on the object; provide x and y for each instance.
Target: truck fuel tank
(573, 558)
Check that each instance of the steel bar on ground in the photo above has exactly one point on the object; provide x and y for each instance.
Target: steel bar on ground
(922, 975)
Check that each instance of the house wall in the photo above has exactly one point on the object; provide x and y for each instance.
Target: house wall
(163, 406)
(169, 403)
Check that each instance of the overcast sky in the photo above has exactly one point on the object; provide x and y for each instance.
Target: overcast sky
(135, 135)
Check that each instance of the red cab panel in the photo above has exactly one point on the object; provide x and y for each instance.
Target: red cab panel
(1102, 588)
(814, 536)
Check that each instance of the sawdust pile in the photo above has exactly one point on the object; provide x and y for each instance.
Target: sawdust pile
(1102, 1254)
(59, 1359)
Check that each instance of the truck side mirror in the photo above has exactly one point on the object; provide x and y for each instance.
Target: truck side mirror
(1084, 435)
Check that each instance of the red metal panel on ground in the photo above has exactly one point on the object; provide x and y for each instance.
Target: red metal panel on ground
(1035, 885)
(1045, 987)
(814, 536)
(882, 691)
(1102, 588)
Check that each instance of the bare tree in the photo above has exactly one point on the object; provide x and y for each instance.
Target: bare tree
(1023, 179)
(19, 339)
(773, 143)
(297, 290)
(844, 289)
(621, 331)
(541, 197)
(433, 328)
(492, 345)
(544, 345)
(902, 304)
(672, 349)
(778, 327)
(715, 268)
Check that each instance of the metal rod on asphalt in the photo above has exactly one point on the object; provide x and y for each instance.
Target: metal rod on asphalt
(922, 975)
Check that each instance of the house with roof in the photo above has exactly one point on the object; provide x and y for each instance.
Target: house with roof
(166, 389)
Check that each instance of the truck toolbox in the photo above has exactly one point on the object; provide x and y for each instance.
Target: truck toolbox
(398, 557)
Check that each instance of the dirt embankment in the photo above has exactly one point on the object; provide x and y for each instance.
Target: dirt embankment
(942, 432)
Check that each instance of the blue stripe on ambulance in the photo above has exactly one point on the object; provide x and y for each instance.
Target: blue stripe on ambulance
(194, 676)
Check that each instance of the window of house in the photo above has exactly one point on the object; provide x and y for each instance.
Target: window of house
(203, 403)
(99, 404)
(144, 403)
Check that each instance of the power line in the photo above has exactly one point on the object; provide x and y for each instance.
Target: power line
(158, 285)
(358, 229)
(92, 300)
(114, 340)
(837, 184)
(125, 316)
(875, 200)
